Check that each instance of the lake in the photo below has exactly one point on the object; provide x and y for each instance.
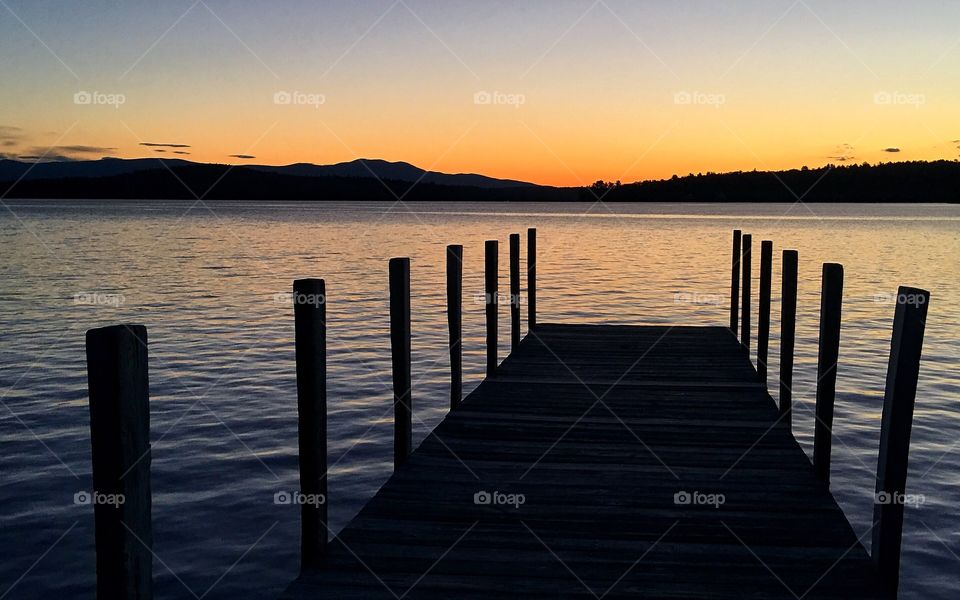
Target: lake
(207, 279)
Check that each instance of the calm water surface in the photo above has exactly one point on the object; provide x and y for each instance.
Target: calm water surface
(204, 280)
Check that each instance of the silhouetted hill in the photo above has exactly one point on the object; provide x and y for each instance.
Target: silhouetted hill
(937, 181)
(221, 182)
(11, 170)
(397, 171)
(919, 181)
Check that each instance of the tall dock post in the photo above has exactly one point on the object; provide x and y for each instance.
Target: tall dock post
(531, 278)
(310, 324)
(490, 295)
(455, 321)
(831, 299)
(763, 322)
(788, 333)
(120, 433)
(735, 282)
(514, 291)
(901, 390)
(745, 306)
(400, 352)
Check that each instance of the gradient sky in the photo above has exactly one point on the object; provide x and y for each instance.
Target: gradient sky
(580, 90)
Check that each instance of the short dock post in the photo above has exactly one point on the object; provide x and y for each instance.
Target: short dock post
(455, 321)
(901, 390)
(490, 279)
(788, 334)
(514, 291)
(763, 322)
(735, 283)
(400, 351)
(120, 433)
(531, 278)
(831, 299)
(745, 306)
(310, 324)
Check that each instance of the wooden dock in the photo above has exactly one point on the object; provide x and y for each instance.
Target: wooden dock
(595, 461)
(650, 463)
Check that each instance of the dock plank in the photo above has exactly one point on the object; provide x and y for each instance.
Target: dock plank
(599, 428)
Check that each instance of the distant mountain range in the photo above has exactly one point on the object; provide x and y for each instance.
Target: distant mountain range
(378, 180)
(12, 170)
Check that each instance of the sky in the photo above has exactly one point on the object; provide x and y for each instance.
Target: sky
(560, 92)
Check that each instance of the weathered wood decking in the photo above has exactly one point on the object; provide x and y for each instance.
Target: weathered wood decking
(599, 428)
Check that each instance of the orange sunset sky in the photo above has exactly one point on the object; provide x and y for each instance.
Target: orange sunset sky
(555, 92)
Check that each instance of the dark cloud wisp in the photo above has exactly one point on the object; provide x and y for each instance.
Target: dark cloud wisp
(159, 145)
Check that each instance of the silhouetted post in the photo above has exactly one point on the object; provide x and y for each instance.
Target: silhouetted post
(763, 322)
(901, 391)
(831, 299)
(531, 278)
(514, 291)
(455, 321)
(120, 433)
(735, 282)
(400, 351)
(490, 278)
(788, 333)
(310, 324)
(745, 308)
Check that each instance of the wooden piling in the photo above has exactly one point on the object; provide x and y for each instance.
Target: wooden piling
(514, 291)
(401, 358)
(763, 321)
(901, 390)
(490, 279)
(735, 282)
(531, 278)
(120, 432)
(831, 299)
(310, 324)
(747, 240)
(788, 333)
(455, 321)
